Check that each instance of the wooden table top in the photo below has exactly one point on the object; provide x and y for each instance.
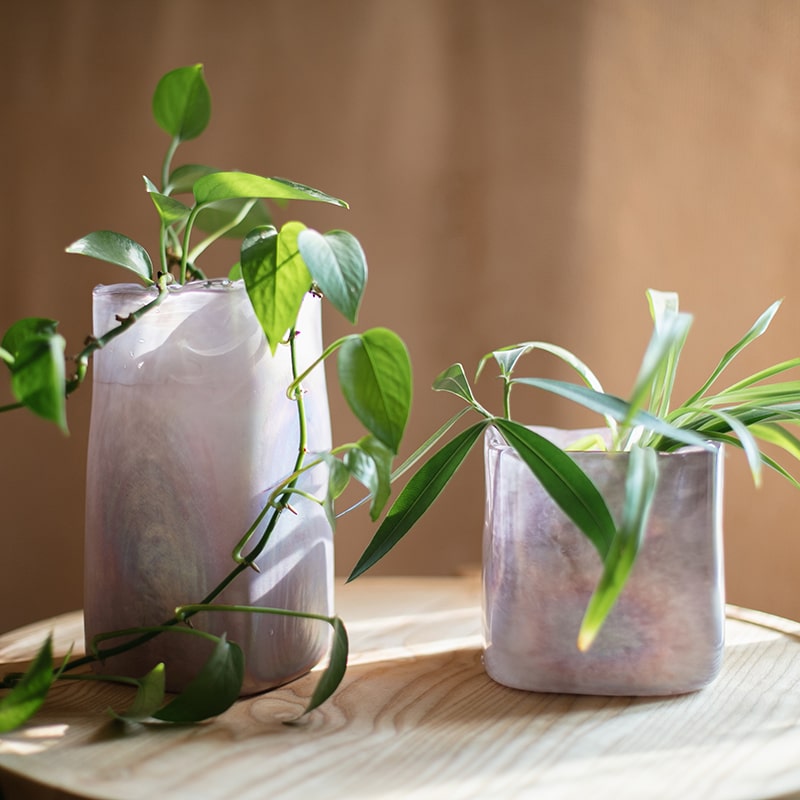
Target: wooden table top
(417, 717)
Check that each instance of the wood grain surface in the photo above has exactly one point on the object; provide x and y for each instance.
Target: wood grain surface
(417, 717)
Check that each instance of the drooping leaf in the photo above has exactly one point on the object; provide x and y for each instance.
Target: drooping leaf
(275, 277)
(334, 672)
(338, 480)
(640, 486)
(454, 380)
(614, 407)
(182, 102)
(564, 481)
(375, 376)
(338, 266)
(777, 435)
(213, 690)
(27, 697)
(116, 249)
(371, 464)
(149, 697)
(37, 372)
(229, 185)
(417, 496)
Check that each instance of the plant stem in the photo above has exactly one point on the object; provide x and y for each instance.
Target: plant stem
(278, 508)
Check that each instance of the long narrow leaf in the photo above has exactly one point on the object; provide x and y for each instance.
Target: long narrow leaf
(334, 672)
(640, 486)
(417, 496)
(564, 481)
(615, 407)
(27, 697)
(758, 328)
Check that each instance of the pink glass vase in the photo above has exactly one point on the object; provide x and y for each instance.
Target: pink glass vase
(664, 635)
(191, 428)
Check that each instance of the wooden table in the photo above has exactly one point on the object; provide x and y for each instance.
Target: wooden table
(417, 717)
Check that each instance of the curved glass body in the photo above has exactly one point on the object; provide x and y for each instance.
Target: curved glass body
(190, 429)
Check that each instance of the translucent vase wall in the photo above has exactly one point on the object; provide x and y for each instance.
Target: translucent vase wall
(665, 633)
(190, 429)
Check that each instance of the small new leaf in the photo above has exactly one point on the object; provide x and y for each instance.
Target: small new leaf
(454, 380)
(371, 464)
(149, 697)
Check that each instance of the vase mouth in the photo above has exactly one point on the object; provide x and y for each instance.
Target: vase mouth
(206, 285)
(565, 437)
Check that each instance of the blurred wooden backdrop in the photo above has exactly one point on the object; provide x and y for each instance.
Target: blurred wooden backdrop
(516, 169)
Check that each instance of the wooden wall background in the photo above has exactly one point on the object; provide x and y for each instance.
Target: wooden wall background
(516, 169)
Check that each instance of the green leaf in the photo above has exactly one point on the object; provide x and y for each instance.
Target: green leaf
(221, 215)
(375, 376)
(417, 496)
(229, 185)
(454, 380)
(564, 481)
(640, 486)
(338, 266)
(213, 690)
(116, 249)
(756, 330)
(275, 277)
(149, 696)
(334, 672)
(37, 372)
(371, 464)
(338, 480)
(27, 697)
(777, 435)
(615, 407)
(235, 273)
(657, 370)
(183, 178)
(169, 209)
(182, 103)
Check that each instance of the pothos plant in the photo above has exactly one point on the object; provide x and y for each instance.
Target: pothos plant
(749, 413)
(279, 268)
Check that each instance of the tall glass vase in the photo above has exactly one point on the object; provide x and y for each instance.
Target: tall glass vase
(191, 428)
(665, 633)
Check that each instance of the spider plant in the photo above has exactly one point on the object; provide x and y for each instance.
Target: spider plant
(749, 413)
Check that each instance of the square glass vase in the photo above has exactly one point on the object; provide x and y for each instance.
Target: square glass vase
(664, 635)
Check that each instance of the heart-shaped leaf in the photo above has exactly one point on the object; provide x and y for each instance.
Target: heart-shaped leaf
(375, 376)
(182, 103)
(275, 277)
(371, 464)
(338, 266)
(37, 372)
(213, 690)
(115, 249)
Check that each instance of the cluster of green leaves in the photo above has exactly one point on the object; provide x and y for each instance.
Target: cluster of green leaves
(754, 411)
(279, 268)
